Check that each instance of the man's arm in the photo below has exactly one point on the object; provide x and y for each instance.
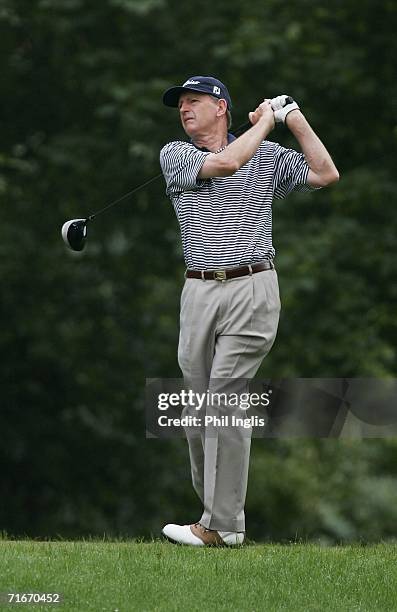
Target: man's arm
(241, 150)
(322, 169)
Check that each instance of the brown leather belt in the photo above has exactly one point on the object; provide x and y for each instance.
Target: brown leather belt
(225, 274)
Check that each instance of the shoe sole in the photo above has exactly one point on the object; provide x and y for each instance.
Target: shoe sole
(224, 545)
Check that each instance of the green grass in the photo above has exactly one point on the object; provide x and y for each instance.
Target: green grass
(152, 576)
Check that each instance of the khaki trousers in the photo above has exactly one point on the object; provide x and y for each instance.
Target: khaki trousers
(226, 329)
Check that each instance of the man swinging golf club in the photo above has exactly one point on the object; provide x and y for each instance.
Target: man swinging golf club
(222, 189)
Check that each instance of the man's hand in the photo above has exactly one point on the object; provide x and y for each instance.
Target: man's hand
(263, 112)
(282, 105)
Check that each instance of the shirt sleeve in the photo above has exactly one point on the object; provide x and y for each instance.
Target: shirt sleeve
(290, 172)
(181, 162)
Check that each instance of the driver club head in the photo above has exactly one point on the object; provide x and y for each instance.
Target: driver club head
(74, 234)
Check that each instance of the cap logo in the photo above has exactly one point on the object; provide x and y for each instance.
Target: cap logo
(216, 90)
(191, 83)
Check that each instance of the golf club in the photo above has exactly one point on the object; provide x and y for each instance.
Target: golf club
(74, 232)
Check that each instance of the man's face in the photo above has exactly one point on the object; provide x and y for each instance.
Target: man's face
(198, 112)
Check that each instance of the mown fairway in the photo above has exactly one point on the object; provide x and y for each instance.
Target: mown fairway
(125, 576)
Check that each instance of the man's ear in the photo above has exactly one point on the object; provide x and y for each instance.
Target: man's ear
(222, 107)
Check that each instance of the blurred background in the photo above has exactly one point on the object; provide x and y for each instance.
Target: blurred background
(81, 124)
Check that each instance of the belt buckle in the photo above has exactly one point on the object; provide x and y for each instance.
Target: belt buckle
(220, 275)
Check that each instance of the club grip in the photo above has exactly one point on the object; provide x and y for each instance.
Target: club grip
(288, 100)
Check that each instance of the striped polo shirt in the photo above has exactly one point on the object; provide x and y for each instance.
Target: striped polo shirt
(227, 221)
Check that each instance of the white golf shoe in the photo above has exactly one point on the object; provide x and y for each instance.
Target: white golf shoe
(197, 535)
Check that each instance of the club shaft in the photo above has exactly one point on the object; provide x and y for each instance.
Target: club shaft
(237, 132)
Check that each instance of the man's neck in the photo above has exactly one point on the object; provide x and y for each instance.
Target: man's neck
(211, 142)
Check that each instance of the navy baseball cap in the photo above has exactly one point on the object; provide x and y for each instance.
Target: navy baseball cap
(203, 84)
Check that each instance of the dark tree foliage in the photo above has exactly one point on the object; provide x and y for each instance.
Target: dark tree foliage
(81, 124)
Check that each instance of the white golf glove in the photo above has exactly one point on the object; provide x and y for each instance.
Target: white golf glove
(282, 105)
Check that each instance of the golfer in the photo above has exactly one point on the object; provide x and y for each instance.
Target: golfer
(222, 189)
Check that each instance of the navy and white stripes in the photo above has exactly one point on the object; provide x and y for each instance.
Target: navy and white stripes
(227, 221)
